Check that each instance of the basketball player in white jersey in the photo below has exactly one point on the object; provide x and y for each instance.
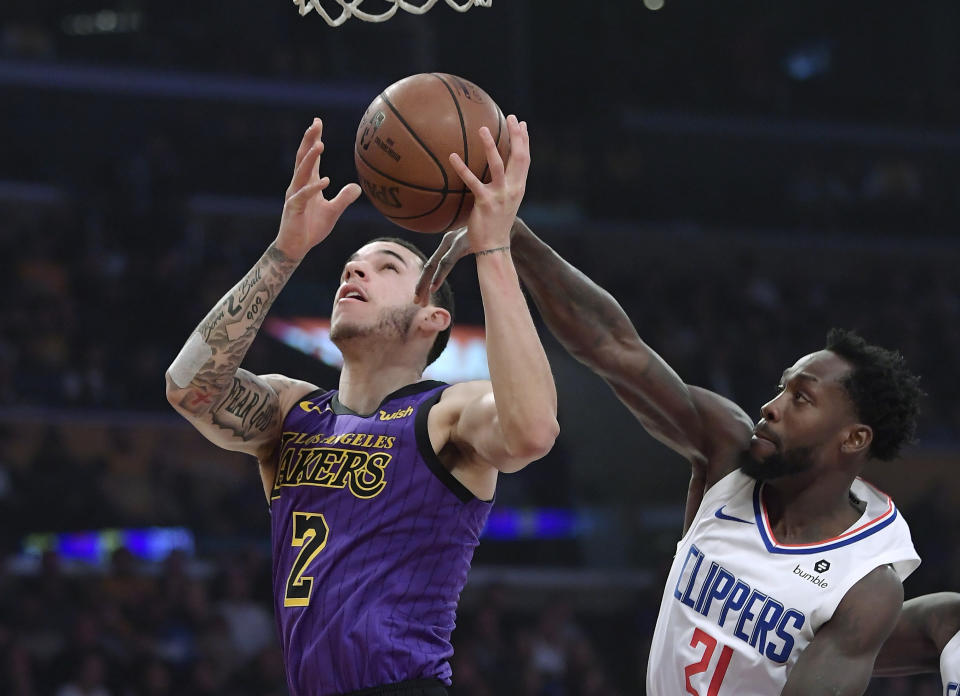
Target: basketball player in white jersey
(926, 639)
(788, 576)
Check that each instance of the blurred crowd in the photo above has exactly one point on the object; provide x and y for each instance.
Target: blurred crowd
(174, 629)
(190, 628)
(92, 321)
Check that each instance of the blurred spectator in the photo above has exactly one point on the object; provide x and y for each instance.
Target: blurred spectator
(251, 625)
(88, 678)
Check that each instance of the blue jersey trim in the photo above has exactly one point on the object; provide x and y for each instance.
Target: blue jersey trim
(818, 548)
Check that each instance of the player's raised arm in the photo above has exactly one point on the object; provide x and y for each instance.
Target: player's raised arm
(702, 426)
(512, 420)
(839, 660)
(230, 406)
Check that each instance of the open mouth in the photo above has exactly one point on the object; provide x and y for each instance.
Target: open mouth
(351, 292)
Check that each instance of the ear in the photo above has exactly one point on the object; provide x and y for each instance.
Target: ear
(857, 440)
(434, 319)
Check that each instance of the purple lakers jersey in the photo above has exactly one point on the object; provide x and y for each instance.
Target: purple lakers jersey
(372, 541)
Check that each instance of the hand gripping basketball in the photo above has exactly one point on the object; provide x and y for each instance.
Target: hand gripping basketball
(496, 203)
(308, 217)
(459, 243)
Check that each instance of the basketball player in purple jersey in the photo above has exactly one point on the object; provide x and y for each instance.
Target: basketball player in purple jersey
(789, 574)
(379, 489)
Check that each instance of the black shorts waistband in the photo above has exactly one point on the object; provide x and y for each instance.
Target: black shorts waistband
(416, 687)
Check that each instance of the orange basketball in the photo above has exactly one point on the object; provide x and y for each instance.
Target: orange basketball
(404, 142)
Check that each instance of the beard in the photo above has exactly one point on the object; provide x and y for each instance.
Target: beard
(778, 464)
(392, 322)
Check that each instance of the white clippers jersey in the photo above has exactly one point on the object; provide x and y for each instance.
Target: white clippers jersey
(950, 666)
(739, 607)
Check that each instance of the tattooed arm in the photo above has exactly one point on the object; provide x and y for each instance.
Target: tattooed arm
(230, 406)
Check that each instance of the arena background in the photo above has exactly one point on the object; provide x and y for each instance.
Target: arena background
(741, 175)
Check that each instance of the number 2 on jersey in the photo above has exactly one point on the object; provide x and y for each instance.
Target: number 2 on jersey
(702, 637)
(310, 532)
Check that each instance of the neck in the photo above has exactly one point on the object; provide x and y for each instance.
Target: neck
(370, 375)
(810, 507)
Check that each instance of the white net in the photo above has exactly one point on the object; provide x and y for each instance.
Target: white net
(342, 10)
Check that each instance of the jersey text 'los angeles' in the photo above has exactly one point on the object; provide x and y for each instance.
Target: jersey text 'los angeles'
(372, 540)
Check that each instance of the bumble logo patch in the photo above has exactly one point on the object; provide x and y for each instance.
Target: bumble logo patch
(402, 413)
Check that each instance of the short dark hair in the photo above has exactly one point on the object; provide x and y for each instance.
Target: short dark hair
(885, 394)
(443, 297)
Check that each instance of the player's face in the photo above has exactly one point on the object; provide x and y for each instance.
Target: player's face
(376, 293)
(803, 424)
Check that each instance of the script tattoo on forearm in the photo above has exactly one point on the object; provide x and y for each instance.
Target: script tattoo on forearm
(254, 411)
(228, 330)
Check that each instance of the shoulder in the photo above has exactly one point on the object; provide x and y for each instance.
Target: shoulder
(467, 390)
(456, 397)
(729, 428)
(729, 420)
(869, 609)
(288, 390)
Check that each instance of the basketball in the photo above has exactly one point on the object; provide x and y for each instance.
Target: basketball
(404, 142)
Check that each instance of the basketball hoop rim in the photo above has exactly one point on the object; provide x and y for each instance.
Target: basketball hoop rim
(351, 8)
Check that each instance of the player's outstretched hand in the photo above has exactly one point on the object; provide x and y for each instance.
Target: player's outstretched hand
(308, 217)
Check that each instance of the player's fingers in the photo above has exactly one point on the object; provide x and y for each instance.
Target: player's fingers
(449, 260)
(466, 176)
(309, 137)
(324, 182)
(422, 291)
(424, 284)
(444, 258)
(421, 294)
(298, 201)
(307, 167)
(519, 152)
(348, 194)
(494, 161)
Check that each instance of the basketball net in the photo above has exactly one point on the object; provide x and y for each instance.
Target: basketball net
(351, 8)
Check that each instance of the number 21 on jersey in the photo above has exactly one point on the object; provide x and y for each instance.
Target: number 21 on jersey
(701, 637)
(310, 532)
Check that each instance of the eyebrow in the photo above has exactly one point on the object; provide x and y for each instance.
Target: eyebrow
(805, 376)
(378, 251)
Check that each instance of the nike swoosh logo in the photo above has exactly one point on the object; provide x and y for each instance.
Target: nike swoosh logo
(719, 514)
